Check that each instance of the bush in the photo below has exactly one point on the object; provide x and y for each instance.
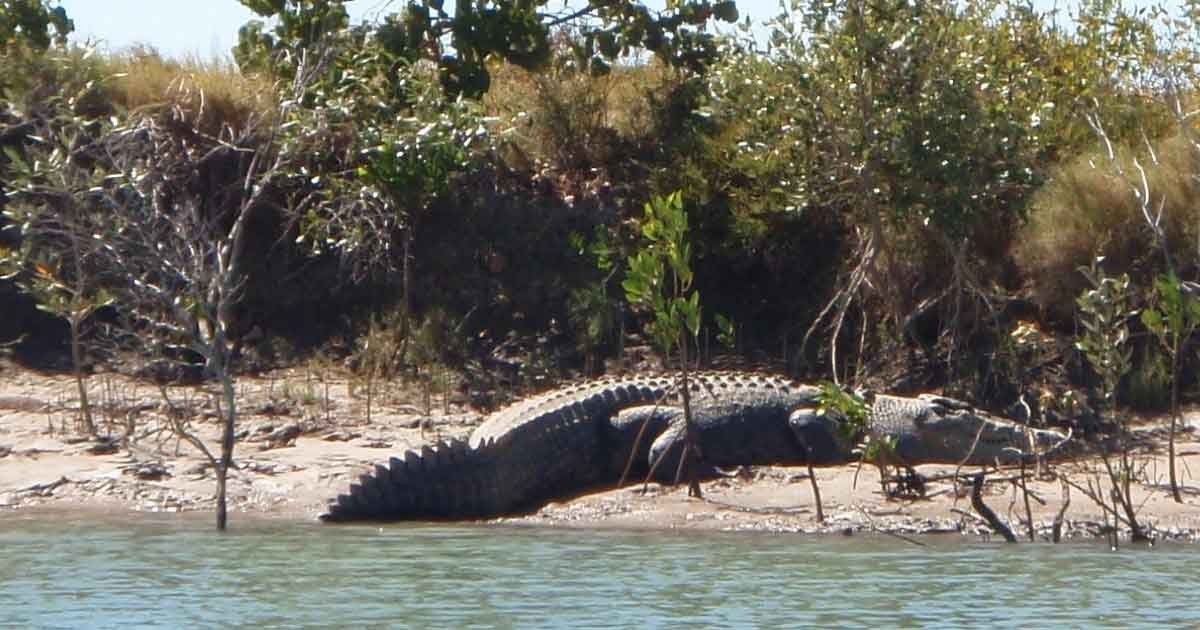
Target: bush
(572, 121)
(1084, 210)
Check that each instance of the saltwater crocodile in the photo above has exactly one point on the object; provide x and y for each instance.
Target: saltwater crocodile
(581, 437)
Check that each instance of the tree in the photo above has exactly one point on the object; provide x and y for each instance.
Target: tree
(141, 197)
(301, 26)
(1175, 314)
(659, 282)
(181, 260)
(1173, 320)
(461, 40)
(57, 212)
(921, 129)
(1105, 311)
(381, 146)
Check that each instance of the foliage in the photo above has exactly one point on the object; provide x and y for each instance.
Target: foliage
(383, 146)
(853, 414)
(52, 207)
(1173, 319)
(595, 313)
(1105, 310)
(917, 131)
(923, 99)
(659, 279)
(300, 27)
(850, 408)
(56, 213)
(1175, 315)
(29, 24)
(461, 42)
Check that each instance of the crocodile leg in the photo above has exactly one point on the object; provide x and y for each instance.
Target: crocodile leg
(632, 436)
(820, 436)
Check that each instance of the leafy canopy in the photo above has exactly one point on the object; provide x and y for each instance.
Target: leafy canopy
(461, 39)
(29, 23)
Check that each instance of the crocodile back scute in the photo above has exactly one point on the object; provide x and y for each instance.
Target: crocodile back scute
(897, 416)
(603, 398)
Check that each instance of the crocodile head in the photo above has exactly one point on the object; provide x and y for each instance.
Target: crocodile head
(942, 434)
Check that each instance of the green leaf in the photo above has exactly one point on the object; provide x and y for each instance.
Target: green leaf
(691, 311)
(726, 334)
(1153, 320)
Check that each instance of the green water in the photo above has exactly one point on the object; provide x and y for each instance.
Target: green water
(177, 573)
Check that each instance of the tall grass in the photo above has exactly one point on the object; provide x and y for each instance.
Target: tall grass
(213, 91)
(1085, 210)
(573, 121)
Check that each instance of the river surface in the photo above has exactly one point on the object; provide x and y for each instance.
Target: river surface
(175, 572)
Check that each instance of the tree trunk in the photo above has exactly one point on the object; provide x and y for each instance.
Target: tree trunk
(812, 477)
(222, 516)
(85, 409)
(406, 304)
(1028, 511)
(75, 320)
(1174, 418)
(227, 432)
(691, 450)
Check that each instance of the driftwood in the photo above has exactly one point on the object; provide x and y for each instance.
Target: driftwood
(986, 512)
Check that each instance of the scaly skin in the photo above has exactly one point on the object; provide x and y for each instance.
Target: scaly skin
(580, 437)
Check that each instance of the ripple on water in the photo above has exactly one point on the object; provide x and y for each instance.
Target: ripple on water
(176, 572)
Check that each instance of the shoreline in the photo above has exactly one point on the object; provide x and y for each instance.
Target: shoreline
(294, 455)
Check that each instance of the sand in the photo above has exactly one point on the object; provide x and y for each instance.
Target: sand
(305, 439)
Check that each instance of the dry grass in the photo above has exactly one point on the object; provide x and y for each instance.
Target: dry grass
(1086, 210)
(213, 91)
(571, 119)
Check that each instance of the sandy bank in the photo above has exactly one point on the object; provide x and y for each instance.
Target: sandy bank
(305, 441)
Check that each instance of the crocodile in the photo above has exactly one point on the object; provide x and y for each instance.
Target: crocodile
(593, 434)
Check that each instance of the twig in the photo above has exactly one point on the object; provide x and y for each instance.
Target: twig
(874, 528)
(971, 515)
(1056, 530)
(799, 509)
(967, 457)
(1028, 511)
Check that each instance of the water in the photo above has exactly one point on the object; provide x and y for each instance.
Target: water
(177, 573)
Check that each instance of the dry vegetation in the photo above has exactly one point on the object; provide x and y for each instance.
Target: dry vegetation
(213, 91)
(1085, 210)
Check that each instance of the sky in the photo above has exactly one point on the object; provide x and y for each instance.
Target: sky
(208, 28)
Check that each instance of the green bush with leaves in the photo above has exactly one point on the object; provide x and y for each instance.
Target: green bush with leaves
(56, 216)
(1173, 318)
(463, 41)
(659, 283)
(33, 24)
(1105, 312)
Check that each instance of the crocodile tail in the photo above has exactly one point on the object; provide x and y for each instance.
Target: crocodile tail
(448, 481)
